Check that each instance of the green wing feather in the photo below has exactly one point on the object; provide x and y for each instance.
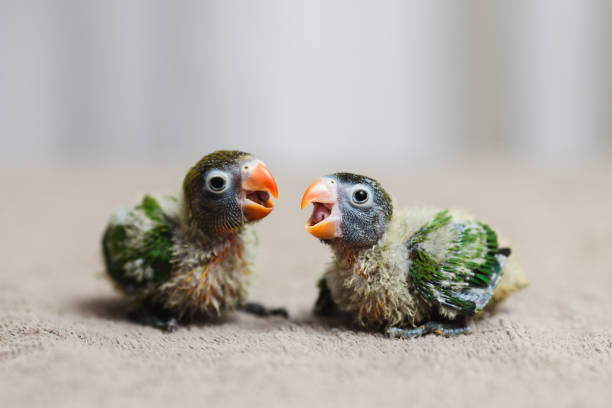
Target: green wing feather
(137, 244)
(460, 270)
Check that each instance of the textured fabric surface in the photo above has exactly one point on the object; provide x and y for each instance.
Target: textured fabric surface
(64, 340)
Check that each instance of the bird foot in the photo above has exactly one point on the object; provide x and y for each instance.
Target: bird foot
(439, 328)
(260, 310)
(160, 321)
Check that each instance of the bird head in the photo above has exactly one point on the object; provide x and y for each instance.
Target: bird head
(349, 209)
(227, 189)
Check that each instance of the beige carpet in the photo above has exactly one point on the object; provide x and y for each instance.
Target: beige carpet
(64, 341)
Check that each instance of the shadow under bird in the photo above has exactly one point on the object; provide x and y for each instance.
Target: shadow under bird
(407, 272)
(190, 255)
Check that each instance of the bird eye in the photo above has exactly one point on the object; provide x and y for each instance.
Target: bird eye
(360, 196)
(217, 182)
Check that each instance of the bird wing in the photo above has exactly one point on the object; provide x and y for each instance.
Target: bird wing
(138, 245)
(455, 262)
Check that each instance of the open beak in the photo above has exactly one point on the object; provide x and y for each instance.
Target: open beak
(326, 220)
(258, 185)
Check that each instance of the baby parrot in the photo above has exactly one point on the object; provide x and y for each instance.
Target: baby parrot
(408, 272)
(190, 255)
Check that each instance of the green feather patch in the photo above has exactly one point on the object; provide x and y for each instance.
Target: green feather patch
(465, 277)
(137, 246)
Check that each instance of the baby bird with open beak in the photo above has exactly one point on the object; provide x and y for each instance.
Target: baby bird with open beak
(190, 255)
(410, 272)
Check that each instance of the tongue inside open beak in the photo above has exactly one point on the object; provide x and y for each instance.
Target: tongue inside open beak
(258, 186)
(325, 221)
(319, 213)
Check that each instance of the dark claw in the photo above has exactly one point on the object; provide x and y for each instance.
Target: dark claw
(255, 308)
(170, 325)
(439, 328)
(504, 251)
(398, 333)
(260, 310)
(279, 311)
(147, 318)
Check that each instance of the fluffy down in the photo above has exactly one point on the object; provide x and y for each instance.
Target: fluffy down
(153, 258)
(376, 286)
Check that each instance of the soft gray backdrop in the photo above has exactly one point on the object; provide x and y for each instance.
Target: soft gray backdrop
(305, 80)
(497, 97)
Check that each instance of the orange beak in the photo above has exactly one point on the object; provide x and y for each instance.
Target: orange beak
(325, 221)
(258, 184)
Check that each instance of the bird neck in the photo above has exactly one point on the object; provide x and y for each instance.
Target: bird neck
(209, 239)
(346, 254)
(205, 235)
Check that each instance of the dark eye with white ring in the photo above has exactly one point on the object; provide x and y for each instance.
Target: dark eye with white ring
(360, 195)
(217, 181)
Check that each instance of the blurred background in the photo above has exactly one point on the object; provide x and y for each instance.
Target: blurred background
(503, 108)
(301, 81)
